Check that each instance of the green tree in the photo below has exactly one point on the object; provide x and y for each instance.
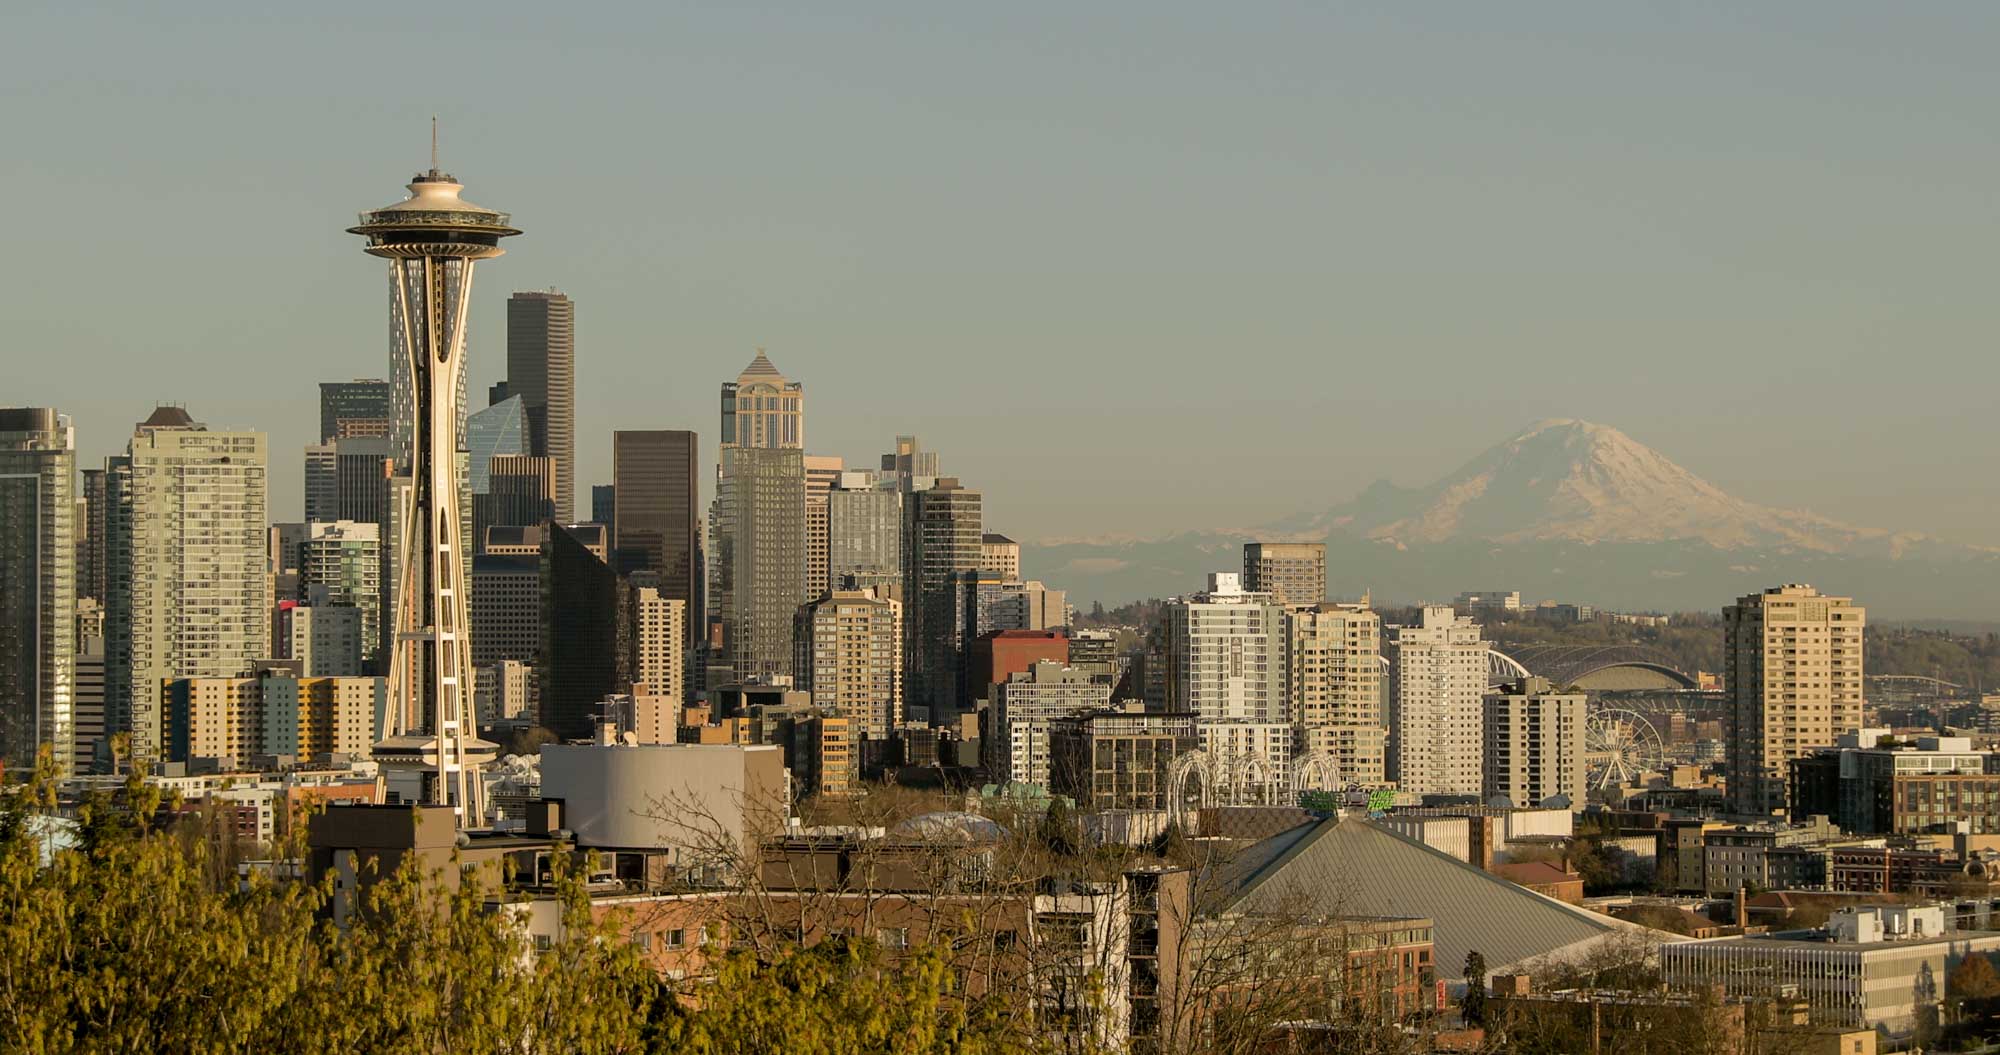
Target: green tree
(1472, 1006)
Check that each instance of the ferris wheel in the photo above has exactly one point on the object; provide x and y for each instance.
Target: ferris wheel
(1619, 747)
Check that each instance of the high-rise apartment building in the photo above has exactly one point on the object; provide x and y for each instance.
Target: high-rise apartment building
(37, 586)
(325, 641)
(88, 728)
(354, 408)
(659, 643)
(760, 560)
(1533, 744)
(186, 546)
(851, 659)
(341, 566)
(1226, 654)
(1437, 704)
(541, 369)
(500, 429)
(603, 504)
(1025, 708)
(1014, 605)
(90, 565)
(822, 473)
(1293, 573)
(1791, 663)
(762, 408)
(941, 532)
(656, 512)
(1000, 556)
(864, 533)
(1333, 672)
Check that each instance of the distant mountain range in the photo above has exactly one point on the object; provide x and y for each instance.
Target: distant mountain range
(1569, 510)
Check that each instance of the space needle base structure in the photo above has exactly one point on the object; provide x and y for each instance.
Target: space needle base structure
(431, 240)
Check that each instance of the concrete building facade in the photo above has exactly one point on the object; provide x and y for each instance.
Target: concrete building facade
(1792, 669)
(1533, 744)
(1436, 704)
(1293, 573)
(1226, 654)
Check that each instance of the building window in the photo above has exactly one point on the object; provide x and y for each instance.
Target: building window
(894, 937)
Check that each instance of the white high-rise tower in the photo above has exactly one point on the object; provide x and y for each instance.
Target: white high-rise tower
(431, 241)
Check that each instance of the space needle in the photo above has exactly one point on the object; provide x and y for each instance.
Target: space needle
(431, 240)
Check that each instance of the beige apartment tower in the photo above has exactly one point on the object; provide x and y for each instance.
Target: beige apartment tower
(1333, 671)
(188, 548)
(1293, 573)
(1791, 664)
(852, 659)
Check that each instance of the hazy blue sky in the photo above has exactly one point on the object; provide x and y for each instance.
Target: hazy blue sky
(1129, 267)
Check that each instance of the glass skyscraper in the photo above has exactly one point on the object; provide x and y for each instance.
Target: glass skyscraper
(37, 586)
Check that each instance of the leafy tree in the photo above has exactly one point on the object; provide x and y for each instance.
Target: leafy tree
(1059, 830)
(1472, 1006)
(1973, 986)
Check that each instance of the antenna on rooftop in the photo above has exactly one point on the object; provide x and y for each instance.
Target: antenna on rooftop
(434, 142)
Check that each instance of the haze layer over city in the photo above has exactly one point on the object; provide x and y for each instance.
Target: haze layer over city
(1130, 530)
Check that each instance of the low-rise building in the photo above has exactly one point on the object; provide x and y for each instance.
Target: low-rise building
(1878, 966)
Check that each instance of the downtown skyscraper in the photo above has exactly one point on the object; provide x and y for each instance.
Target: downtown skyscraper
(187, 549)
(541, 369)
(656, 512)
(758, 563)
(942, 526)
(37, 587)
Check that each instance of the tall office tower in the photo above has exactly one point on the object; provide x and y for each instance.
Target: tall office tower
(90, 537)
(864, 533)
(1293, 573)
(1533, 744)
(88, 730)
(520, 490)
(1025, 708)
(498, 430)
(761, 408)
(1437, 688)
(585, 635)
(506, 607)
(347, 479)
(851, 659)
(659, 643)
(37, 587)
(910, 465)
(1000, 556)
(1225, 655)
(1791, 663)
(541, 369)
(760, 559)
(354, 408)
(341, 565)
(822, 473)
(1333, 670)
(431, 240)
(604, 503)
(655, 519)
(941, 531)
(185, 545)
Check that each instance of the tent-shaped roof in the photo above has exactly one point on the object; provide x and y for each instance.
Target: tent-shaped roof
(761, 367)
(1349, 867)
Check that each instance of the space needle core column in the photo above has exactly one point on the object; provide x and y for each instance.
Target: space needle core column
(431, 241)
